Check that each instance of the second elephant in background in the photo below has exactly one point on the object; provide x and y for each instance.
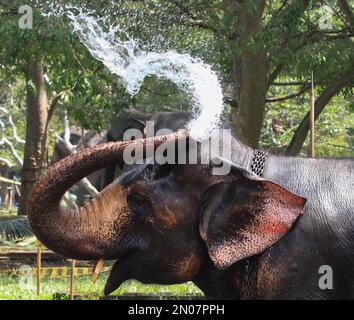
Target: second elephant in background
(134, 119)
(129, 119)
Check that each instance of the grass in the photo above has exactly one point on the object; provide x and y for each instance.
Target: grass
(20, 288)
(8, 211)
(15, 287)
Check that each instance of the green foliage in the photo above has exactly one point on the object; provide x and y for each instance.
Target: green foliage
(10, 288)
(296, 37)
(334, 135)
(301, 38)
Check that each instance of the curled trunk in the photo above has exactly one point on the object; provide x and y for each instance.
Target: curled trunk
(95, 230)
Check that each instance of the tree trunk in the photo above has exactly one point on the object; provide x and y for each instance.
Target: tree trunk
(302, 131)
(251, 75)
(36, 132)
(4, 172)
(253, 85)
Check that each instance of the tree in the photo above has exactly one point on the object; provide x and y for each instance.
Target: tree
(10, 140)
(322, 101)
(256, 45)
(264, 50)
(48, 70)
(36, 133)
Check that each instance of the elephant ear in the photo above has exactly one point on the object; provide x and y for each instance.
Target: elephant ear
(244, 215)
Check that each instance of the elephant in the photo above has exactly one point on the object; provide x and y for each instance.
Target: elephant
(133, 119)
(273, 227)
(129, 119)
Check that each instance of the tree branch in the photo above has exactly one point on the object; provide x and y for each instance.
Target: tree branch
(329, 35)
(7, 162)
(276, 72)
(57, 98)
(310, 38)
(14, 131)
(156, 93)
(302, 131)
(291, 96)
(347, 10)
(68, 202)
(193, 20)
(291, 83)
(5, 141)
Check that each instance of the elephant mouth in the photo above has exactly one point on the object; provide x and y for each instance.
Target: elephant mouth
(124, 263)
(118, 274)
(98, 230)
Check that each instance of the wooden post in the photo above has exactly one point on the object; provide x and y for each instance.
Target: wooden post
(72, 279)
(4, 171)
(11, 196)
(39, 266)
(312, 118)
(18, 190)
(7, 203)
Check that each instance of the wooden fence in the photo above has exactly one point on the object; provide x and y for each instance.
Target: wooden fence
(8, 190)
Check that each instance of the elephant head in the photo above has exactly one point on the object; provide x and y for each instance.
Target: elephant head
(161, 223)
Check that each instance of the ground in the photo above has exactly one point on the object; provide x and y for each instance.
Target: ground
(17, 288)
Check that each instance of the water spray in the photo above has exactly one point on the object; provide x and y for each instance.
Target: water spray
(132, 64)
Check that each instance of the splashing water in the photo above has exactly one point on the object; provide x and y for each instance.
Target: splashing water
(133, 65)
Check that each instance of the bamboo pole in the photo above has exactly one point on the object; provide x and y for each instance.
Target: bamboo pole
(312, 119)
(72, 279)
(9, 181)
(11, 196)
(39, 266)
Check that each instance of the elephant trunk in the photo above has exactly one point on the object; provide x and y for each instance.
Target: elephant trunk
(95, 230)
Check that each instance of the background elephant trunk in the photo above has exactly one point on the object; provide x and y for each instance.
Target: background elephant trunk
(95, 230)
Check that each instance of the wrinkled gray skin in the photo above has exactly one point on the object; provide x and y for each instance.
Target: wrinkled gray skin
(288, 269)
(323, 235)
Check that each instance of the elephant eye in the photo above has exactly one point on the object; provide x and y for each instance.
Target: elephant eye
(149, 171)
(139, 204)
(163, 171)
(154, 171)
